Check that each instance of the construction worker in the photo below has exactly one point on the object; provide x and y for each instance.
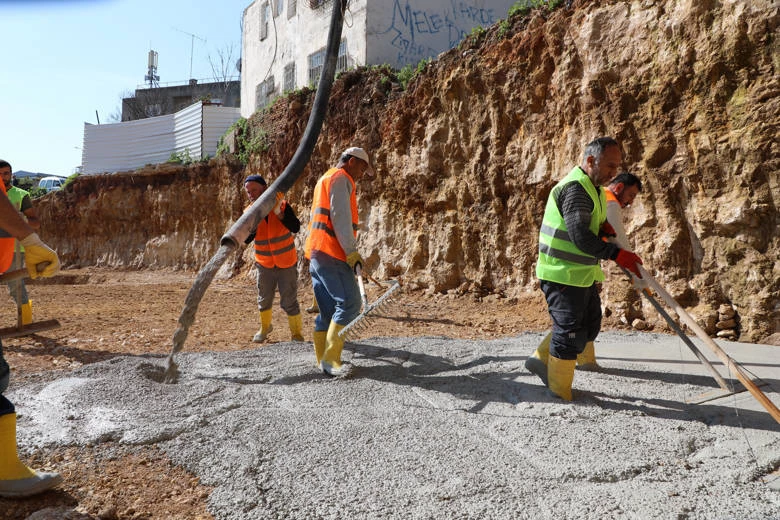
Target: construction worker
(16, 479)
(276, 261)
(621, 193)
(331, 247)
(20, 199)
(568, 267)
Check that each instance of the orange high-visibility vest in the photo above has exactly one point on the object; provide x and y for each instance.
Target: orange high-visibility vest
(322, 236)
(611, 196)
(274, 244)
(7, 244)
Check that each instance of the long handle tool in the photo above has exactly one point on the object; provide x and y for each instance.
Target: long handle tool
(30, 328)
(728, 361)
(684, 337)
(362, 323)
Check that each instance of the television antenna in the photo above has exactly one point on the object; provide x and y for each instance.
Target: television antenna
(192, 44)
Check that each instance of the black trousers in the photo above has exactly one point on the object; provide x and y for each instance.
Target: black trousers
(576, 317)
(6, 406)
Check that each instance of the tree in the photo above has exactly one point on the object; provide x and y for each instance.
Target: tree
(223, 67)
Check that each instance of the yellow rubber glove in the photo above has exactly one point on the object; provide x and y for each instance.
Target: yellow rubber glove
(37, 253)
(354, 259)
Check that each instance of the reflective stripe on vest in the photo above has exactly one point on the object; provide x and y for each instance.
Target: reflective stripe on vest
(560, 260)
(7, 244)
(274, 244)
(322, 236)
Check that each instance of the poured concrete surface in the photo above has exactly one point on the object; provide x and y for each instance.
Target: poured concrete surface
(437, 428)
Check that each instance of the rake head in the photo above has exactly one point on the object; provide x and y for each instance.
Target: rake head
(362, 323)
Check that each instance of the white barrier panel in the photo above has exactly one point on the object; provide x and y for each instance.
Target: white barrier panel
(133, 144)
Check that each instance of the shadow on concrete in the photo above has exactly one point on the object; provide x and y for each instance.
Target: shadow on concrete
(707, 413)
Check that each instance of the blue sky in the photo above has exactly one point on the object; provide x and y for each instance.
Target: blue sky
(63, 60)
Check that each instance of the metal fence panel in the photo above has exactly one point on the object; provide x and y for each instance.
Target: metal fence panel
(133, 144)
(216, 121)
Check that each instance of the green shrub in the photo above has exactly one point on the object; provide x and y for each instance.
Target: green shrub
(523, 7)
(248, 140)
(181, 157)
(70, 180)
(37, 192)
(409, 72)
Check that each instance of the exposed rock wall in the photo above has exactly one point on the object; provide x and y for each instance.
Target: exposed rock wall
(468, 153)
(166, 216)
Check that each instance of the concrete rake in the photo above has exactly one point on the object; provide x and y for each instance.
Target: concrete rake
(30, 328)
(381, 306)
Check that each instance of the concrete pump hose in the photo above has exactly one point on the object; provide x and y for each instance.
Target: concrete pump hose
(247, 223)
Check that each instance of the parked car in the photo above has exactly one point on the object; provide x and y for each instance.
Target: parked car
(51, 183)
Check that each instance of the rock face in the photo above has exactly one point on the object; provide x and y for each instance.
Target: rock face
(468, 153)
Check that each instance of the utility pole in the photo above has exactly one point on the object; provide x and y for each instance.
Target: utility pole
(192, 45)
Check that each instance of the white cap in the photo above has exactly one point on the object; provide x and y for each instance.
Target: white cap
(362, 155)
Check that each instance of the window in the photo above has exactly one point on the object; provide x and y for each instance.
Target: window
(341, 62)
(264, 92)
(292, 8)
(314, 4)
(265, 11)
(278, 6)
(317, 62)
(289, 77)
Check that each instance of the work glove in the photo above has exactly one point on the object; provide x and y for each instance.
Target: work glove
(628, 260)
(607, 231)
(36, 254)
(354, 259)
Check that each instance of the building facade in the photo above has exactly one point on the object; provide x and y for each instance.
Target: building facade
(283, 45)
(160, 101)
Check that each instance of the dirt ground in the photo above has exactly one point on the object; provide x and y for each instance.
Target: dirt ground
(105, 313)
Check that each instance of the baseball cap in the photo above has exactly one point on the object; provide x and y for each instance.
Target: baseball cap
(256, 178)
(360, 154)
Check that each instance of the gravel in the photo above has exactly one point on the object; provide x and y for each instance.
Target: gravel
(429, 427)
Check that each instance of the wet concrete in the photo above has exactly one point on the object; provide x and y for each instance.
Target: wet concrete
(436, 428)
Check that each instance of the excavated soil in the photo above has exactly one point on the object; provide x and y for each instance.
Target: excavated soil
(104, 314)
(466, 156)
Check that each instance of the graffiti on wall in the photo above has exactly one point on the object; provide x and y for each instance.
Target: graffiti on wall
(411, 25)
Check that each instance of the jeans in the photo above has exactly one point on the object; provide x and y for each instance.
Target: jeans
(576, 317)
(335, 290)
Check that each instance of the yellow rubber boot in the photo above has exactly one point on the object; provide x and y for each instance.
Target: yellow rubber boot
(560, 374)
(537, 362)
(586, 360)
(265, 326)
(27, 313)
(331, 359)
(16, 479)
(320, 344)
(314, 308)
(296, 327)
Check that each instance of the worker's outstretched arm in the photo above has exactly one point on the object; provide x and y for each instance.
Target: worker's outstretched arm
(36, 252)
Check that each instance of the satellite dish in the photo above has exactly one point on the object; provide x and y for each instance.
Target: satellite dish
(238, 64)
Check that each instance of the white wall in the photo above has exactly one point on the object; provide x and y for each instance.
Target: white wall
(393, 32)
(294, 39)
(402, 32)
